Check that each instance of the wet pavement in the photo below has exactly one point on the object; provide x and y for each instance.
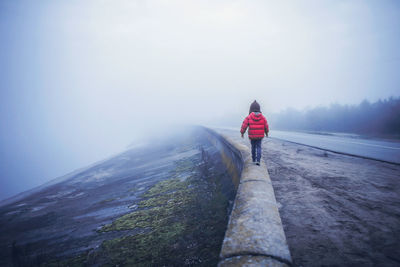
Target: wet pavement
(352, 144)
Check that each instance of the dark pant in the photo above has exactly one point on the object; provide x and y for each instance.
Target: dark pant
(256, 149)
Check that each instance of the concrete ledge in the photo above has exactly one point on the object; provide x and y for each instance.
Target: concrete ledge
(254, 236)
(251, 261)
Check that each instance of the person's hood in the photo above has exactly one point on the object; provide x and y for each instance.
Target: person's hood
(254, 107)
(256, 116)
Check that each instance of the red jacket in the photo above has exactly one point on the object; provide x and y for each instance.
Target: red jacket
(257, 124)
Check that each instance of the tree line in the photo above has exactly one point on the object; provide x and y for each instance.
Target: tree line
(380, 117)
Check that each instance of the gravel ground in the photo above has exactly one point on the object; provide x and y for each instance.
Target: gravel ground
(336, 210)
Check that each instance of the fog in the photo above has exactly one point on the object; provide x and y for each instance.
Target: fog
(379, 119)
(81, 80)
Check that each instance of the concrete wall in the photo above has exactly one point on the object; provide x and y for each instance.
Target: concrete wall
(254, 236)
(231, 157)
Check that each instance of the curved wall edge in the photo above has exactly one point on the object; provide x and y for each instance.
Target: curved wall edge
(254, 235)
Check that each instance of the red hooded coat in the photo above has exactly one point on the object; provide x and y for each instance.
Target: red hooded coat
(257, 124)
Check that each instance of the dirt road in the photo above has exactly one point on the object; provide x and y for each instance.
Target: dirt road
(336, 210)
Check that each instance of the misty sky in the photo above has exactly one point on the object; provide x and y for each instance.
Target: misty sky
(80, 80)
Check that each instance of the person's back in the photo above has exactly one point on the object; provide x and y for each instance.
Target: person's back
(258, 128)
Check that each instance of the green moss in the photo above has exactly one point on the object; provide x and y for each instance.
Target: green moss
(169, 197)
(143, 249)
(165, 187)
(185, 222)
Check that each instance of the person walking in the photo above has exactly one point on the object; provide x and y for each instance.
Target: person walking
(258, 128)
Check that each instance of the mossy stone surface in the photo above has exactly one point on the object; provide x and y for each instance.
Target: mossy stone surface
(183, 222)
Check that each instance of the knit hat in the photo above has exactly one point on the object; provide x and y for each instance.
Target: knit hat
(254, 107)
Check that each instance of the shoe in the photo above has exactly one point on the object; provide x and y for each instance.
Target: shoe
(258, 163)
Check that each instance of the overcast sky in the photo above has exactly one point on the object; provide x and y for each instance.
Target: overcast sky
(80, 80)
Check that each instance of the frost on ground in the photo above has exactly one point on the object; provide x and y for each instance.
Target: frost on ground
(336, 210)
